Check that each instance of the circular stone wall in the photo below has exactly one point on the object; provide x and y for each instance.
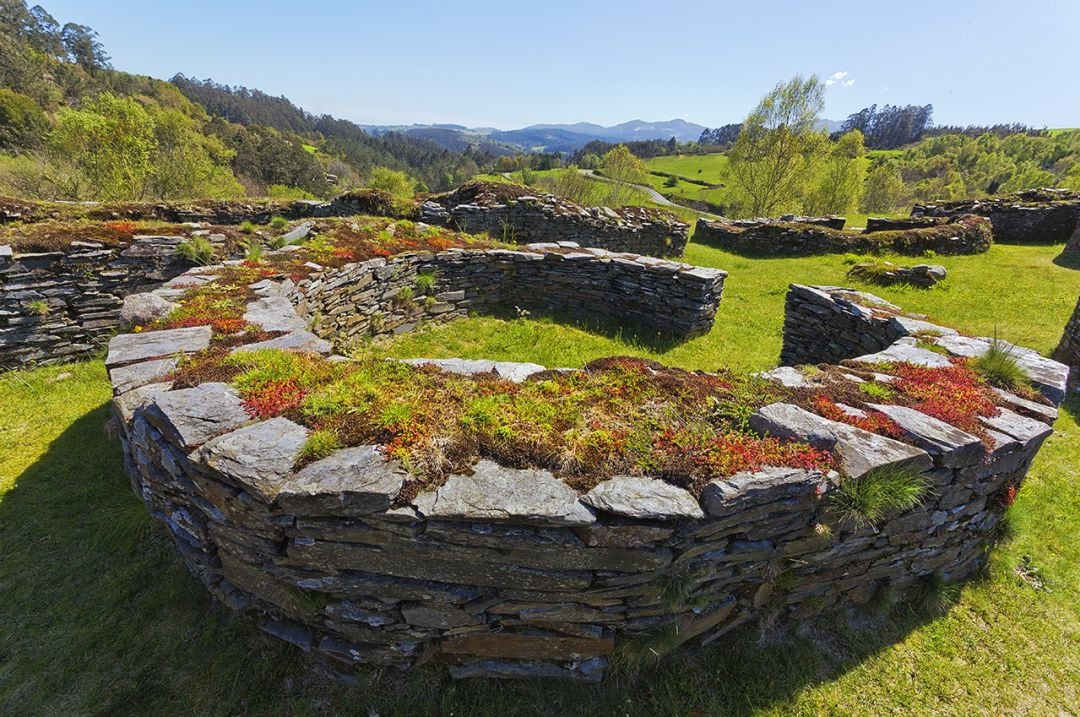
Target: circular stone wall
(509, 572)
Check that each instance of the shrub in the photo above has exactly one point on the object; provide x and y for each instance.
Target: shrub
(868, 499)
(279, 223)
(277, 242)
(672, 181)
(247, 227)
(197, 250)
(396, 183)
(999, 367)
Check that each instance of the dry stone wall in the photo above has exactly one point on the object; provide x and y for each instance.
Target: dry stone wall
(380, 296)
(1037, 216)
(1068, 351)
(57, 306)
(508, 572)
(966, 234)
(515, 216)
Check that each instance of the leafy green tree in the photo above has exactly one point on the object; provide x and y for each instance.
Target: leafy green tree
(393, 181)
(186, 163)
(884, 189)
(112, 141)
(776, 155)
(83, 46)
(620, 164)
(22, 123)
(839, 183)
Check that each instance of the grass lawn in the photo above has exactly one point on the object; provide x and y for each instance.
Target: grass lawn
(711, 168)
(97, 615)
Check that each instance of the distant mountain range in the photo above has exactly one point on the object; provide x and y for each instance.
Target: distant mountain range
(544, 137)
(565, 138)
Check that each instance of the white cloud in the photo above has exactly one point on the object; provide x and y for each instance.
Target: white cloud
(838, 78)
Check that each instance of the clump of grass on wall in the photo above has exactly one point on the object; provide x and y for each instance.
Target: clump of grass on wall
(197, 250)
(868, 499)
(998, 366)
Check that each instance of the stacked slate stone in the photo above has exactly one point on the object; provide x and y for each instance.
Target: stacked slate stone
(508, 572)
(966, 234)
(380, 297)
(1068, 351)
(888, 224)
(57, 306)
(1034, 216)
(539, 217)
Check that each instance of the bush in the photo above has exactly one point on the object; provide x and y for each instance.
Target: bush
(279, 223)
(197, 250)
(388, 180)
(253, 251)
(868, 499)
(999, 367)
(247, 227)
(425, 282)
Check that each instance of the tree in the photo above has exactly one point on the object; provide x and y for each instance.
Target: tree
(395, 182)
(839, 183)
(83, 47)
(778, 147)
(22, 122)
(884, 189)
(622, 166)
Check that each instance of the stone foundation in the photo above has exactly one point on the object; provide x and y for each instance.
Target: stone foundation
(516, 215)
(59, 306)
(965, 235)
(1036, 216)
(1068, 351)
(382, 297)
(508, 572)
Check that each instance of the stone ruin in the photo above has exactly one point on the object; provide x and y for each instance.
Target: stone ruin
(507, 571)
(1068, 351)
(519, 215)
(63, 304)
(965, 234)
(1034, 216)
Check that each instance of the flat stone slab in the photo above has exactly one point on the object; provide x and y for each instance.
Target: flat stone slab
(129, 348)
(510, 370)
(274, 313)
(908, 326)
(125, 378)
(1049, 376)
(296, 341)
(192, 416)
(353, 481)
(951, 446)
(1028, 431)
(128, 403)
(858, 451)
(298, 233)
(643, 498)
(494, 492)
(1033, 409)
(786, 376)
(901, 352)
(257, 458)
(747, 489)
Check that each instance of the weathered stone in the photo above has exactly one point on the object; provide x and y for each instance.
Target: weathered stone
(786, 376)
(129, 348)
(493, 492)
(192, 416)
(949, 445)
(768, 485)
(906, 353)
(527, 647)
(441, 617)
(125, 378)
(1028, 431)
(141, 309)
(643, 498)
(257, 458)
(353, 481)
(295, 341)
(274, 313)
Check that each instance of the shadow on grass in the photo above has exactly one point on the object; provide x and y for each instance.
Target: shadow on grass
(98, 616)
(625, 330)
(1068, 259)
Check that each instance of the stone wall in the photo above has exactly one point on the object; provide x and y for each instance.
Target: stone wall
(57, 306)
(828, 324)
(965, 235)
(380, 297)
(508, 572)
(1036, 216)
(516, 215)
(1068, 351)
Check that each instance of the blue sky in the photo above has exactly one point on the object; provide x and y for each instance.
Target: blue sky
(509, 64)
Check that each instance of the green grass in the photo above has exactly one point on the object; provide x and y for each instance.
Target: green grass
(98, 616)
(711, 168)
(1000, 290)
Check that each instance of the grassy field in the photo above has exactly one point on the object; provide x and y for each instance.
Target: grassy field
(97, 615)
